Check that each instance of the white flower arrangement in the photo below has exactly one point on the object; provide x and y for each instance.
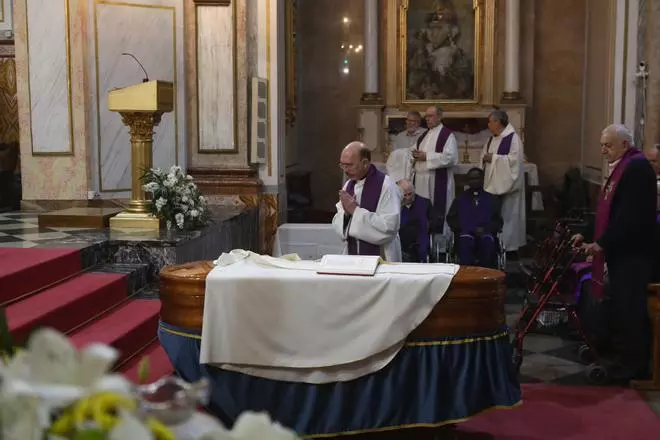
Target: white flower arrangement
(53, 391)
(175, 198)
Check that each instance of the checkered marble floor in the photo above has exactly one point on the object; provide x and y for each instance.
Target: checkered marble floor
(22, 230)
(546, 357)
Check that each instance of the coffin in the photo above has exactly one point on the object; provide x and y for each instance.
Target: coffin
(473, 304)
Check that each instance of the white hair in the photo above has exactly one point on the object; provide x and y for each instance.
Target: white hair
(406, 184)
(622, 133)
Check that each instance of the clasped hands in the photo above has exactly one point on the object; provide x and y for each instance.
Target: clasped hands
(348, 202)
(488, 157)
(590, 249)
(418, 155)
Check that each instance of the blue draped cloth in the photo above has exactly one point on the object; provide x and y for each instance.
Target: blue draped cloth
(431, 382)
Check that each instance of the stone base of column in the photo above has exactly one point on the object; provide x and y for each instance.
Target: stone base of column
(371, 99)
(370, 127)
(511, 96)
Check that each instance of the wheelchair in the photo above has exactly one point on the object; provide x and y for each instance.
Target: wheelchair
(451, 254)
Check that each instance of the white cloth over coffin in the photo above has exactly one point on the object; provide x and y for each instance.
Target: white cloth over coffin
(425, 171)
(504, 177)
(400, 165)
(279, 319)
(379, 228)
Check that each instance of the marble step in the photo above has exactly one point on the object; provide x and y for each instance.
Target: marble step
(137, 274)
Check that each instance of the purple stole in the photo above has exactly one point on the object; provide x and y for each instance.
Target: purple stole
(505, 144)
(603, 217)
(471, 216)
(373, 185)
(440, 191)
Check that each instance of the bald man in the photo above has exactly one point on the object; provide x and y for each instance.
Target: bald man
(369, 207)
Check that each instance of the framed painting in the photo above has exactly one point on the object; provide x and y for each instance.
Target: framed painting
(440, 49)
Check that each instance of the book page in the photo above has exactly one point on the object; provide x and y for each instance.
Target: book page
(349, 264)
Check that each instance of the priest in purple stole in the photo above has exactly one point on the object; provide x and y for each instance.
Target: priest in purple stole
(369, 207)
(435, 155)
(624, 246)
(415, 225)
(502, 159)
(475, 219)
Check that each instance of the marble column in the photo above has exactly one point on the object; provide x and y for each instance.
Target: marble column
(52, 95)
(371, 108)
(371, 65)
(217, 85)
(512, 51)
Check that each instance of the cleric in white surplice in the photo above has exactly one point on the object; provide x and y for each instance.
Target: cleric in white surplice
(503, 158)
(436, 154)
(369, 207)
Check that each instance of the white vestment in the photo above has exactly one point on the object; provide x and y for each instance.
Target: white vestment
(400, 163)
(504, 177)
(425, 171)
(407, 140)
(380, 227)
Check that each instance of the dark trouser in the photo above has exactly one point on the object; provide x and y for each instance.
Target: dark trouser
(411, 256)
(474, 250)
(628, 281)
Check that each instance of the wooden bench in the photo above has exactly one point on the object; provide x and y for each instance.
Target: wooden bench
(654, 312)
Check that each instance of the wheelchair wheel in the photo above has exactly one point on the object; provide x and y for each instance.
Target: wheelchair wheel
(502, 260)
(596, 374)
(584, 353)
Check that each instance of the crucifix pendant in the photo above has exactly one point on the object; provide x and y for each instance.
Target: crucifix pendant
(608, 190)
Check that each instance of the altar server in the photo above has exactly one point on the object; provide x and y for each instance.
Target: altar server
(435, 154)
(502, 159)
(369, 207)
(475, 219)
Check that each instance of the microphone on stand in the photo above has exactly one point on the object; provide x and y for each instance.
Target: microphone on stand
(146, 75)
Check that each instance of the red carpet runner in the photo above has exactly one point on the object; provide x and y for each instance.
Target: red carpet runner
(50, 288)
(552, 412)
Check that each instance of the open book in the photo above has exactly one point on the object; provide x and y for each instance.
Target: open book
(364, 265)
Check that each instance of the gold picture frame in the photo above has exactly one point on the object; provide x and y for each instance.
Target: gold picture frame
(477, 53)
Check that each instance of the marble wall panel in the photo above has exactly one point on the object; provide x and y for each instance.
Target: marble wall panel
(6, 21)
(216, 79)
(227, 159)
(49, 88)
(151, 30)
(59, 177)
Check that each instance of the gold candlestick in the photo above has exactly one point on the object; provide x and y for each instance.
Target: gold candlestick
(466, 153)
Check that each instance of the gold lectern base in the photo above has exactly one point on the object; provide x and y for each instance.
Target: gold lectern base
(131, 220)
